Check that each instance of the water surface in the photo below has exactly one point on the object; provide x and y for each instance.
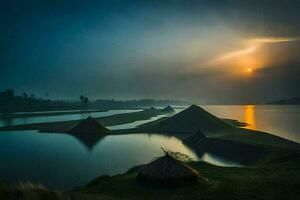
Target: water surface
(280, 120)
(63, 161)
(58, 118)
(137, 123)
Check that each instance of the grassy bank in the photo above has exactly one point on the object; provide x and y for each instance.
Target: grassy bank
(62, 127)
(29, 191)
(271, 170)
(41, 114)
(276, 178)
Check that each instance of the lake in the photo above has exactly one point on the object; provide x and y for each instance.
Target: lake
(64, 161)
(280, 120)
(58, 118)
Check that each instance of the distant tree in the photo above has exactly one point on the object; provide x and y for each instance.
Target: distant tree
(86, 100)
(8, 93)
(25, 95)
(32, 96)
(81, 98)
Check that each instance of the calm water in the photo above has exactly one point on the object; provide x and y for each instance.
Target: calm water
(283, 121)
(135, 124)
(63, 161)
(67, 117)
(140, 122)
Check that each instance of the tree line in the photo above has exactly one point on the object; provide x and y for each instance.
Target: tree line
(26, 102)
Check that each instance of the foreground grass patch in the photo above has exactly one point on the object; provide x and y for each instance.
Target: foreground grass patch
(277, 178)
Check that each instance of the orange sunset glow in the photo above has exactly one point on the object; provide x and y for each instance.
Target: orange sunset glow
(250, 116)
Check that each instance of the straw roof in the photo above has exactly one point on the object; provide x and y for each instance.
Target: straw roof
(167, 172)
(88, 126)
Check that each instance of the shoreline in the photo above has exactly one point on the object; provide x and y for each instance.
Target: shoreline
(277, 163)
(46, 114)
(65, 126)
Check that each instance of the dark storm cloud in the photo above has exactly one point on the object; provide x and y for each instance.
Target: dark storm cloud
(137, 49)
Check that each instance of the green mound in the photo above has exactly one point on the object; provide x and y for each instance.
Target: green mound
(168, 109)
(191, 120)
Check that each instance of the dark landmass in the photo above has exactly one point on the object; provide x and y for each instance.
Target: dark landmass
(11, 103)
(90, 126)
(241, 152)
(275, 179)
(47, 113)
(271, 168)
(190, 120)
(271, 171)
(65, 126)
(30, 191)
(290, 101)
(234, 122)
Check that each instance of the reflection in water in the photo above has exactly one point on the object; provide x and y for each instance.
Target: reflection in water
(280, 120)
(88, 140)
(250, 116)
(6, 121)
(218, 161)
(225, 153)
(60, 161)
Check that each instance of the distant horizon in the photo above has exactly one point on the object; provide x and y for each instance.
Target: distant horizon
(194, 50)
(76, 99)
(186, 102)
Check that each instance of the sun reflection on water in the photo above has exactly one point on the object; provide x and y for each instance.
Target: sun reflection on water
(250, 116)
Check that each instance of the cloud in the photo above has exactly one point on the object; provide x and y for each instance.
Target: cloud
(252, 45)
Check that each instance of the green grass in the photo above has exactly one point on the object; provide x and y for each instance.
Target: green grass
(277, 178)
(30, 191)
(274, 177)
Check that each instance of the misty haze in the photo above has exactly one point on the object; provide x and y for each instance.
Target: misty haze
(138, 99)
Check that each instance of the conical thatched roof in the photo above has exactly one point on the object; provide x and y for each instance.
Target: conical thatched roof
(88, 126)
(195, 137)
(167, 172)
(168, 109)
(191, 120)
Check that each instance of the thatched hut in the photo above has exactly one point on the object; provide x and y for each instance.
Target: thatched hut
(88, 126)
(167, 171)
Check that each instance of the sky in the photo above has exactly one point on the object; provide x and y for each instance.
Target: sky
(204, 51)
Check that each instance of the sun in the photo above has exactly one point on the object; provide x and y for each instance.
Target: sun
(249, 70)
